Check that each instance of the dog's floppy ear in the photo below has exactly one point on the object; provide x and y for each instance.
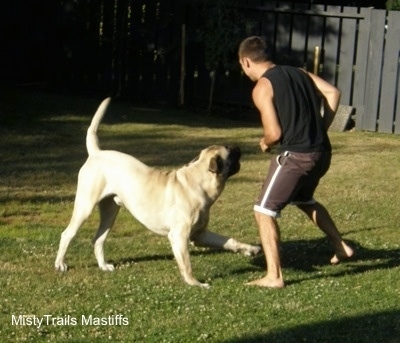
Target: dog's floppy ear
(216, 165)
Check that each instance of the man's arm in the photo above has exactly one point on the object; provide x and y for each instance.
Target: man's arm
(263, 99)
(331, 98)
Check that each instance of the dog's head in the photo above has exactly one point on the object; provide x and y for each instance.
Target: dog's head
(212, 168)
(223, 161)
(226, 161)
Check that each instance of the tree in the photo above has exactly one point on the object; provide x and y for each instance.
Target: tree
(221, 27)
(393, 5)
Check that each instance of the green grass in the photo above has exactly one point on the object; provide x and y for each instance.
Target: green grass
(41, 149)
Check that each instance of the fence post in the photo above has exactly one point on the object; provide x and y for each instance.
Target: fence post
(317, 58)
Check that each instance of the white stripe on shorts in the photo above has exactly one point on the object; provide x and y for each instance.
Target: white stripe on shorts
(261, 208)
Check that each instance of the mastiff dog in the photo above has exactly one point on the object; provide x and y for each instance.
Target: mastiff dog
(174, 204)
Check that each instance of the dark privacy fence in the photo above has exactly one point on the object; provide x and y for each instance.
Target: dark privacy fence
(150, 51)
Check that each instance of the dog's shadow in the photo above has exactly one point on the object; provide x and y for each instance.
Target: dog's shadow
(164, 257)
(139, 259)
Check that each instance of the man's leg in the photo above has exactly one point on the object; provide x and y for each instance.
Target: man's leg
(270, 240)
(320, 216)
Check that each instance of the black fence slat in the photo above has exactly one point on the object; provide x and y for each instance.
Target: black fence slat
(331, 45)
(299, 37)
(346, 61)
(315, 36)
(284, 36)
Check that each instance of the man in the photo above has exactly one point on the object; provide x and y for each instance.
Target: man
(289, 102)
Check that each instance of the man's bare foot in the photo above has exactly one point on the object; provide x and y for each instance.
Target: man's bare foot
(267, 282)
(343, 253)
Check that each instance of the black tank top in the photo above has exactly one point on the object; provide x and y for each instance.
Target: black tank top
(298, 105)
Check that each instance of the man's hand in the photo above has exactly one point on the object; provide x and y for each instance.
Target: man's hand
(264, 147)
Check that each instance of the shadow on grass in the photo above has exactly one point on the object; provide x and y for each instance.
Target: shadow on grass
(164, 257)
(308, 255)
(383, 327)
(46, 132)
(22, 106)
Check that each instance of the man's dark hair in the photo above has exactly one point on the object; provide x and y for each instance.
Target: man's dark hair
(254, 48)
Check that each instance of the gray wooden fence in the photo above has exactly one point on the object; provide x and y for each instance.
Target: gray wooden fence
(357, 50)
(377, 72)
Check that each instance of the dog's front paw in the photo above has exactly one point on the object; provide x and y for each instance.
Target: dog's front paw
(252, 250)
(107, 267)
(62, 267)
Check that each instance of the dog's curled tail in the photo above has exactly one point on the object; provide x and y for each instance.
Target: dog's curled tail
(92, 141)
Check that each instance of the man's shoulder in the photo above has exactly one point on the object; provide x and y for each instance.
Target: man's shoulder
(263, 87)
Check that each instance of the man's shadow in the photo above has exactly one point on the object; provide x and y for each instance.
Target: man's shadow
(310, 255)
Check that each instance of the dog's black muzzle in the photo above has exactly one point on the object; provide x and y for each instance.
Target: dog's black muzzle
(234, 158)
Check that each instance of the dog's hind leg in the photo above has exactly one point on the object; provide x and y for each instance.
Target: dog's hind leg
(214, 240)
(108, 212)
(82, 210)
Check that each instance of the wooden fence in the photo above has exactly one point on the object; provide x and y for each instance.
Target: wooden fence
(377, 82)
(133, 48)
(357, 50)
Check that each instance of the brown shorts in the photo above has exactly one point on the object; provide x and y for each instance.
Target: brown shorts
(292, 178)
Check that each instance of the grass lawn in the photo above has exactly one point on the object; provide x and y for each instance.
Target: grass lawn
(42, 146)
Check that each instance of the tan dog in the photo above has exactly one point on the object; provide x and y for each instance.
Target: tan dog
(174, 204)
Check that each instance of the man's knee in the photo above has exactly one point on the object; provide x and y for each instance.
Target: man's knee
(262, 217)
